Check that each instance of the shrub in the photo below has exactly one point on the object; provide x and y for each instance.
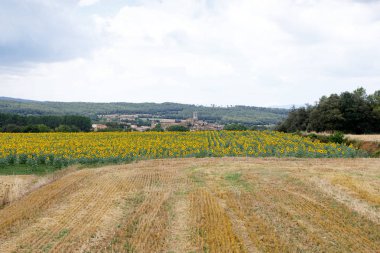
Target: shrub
(337, 137)
(313, 136)
(177, 128)
(157, 128)
(322, 138)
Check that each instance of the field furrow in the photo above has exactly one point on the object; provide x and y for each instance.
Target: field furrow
(213, 230)
(19, 212)
(198, 205)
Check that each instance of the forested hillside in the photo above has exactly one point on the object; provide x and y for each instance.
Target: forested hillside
(248, 115)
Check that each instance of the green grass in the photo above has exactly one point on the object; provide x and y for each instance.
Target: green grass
(63, 233)
(23, 169)
(236, 180)
(233, 176)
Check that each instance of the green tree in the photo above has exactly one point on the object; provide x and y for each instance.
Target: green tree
(356, 111)
(297, 120)
(351, 112)
(157, 128)
(326, 116)
(66, 129)
(177, 128)
(38, 128)
(374, 101)
(11, 128)
(83, 123)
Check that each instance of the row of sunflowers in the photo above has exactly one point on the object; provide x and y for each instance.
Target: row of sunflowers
(46, 148)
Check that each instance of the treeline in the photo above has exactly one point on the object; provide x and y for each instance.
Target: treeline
(248, 115)
(14, 123)
(350, 112)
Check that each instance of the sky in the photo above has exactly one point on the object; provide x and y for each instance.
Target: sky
(222, 52)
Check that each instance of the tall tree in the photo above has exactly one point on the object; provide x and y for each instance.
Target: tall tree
(326, 116)
(354, 112)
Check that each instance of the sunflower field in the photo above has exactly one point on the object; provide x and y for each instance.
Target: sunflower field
(65, 148)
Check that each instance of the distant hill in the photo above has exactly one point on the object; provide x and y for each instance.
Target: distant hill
(248, 115)
(16, 99)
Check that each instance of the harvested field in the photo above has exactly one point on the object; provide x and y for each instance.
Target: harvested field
(202, 205)
(364, 137)
(13, 187)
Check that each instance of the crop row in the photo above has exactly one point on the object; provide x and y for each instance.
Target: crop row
(63, 148)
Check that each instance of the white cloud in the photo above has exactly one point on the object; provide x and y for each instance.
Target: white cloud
(87, 2)
(222, 52)
(42, 30)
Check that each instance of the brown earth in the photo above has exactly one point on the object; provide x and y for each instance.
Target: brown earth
(202, 205)
(372, 148)
(367, 142)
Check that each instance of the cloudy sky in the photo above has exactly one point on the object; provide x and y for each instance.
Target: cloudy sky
(223, 52)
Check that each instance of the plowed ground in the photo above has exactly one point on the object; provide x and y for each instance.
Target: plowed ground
(202, 205)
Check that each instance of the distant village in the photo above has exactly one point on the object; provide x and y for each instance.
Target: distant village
(145, 122)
